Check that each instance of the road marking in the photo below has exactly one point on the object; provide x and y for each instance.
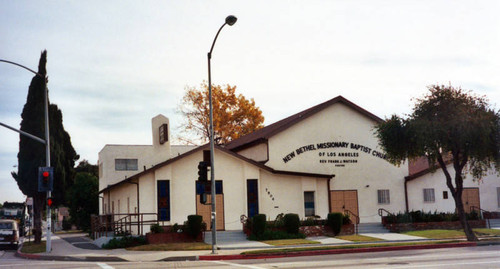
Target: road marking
(238, 265)
(104, 266)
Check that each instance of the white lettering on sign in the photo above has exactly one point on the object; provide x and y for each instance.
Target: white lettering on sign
(349, 150)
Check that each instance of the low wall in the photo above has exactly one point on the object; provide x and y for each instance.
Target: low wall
(445, 225)
(322, 230)
(166, 238)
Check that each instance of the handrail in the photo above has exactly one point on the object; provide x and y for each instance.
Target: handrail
(124, 222)
(349, 213)
(382, 210)
(473, 207)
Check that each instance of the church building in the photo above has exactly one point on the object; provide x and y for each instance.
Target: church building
(320, 160)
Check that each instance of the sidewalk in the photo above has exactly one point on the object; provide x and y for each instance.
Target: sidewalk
(74, 247)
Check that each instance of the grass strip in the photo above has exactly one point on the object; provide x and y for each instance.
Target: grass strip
(356, 246)
(289, 242)
(172, 247)
(358, 238)
(31, 247)
(452, 234)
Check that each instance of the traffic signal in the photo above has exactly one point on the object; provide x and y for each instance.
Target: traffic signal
(50, 201)
(45, 179)
(203, 171)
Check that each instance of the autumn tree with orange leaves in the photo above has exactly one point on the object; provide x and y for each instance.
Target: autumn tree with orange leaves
(234, 115)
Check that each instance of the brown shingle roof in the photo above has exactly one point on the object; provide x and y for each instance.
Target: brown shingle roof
(206, 147)
(265, 133)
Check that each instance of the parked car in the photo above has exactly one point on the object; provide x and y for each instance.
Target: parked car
(9, 232)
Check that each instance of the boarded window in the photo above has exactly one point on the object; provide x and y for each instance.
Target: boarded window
(383, 197)
(309, 203)
(429, 196)
(163, 133)
(163, 200)
(126, 164)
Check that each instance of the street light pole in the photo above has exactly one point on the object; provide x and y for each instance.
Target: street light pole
(48, 246)
(230, 20)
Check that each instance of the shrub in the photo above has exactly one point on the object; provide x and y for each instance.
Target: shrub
(346, 219)
(258, 224)
(276, 235)
(176, 228)
(335, 221)
(310, 221)
(279, 221)
(292, 223)
(156, 228)
(66, 224)
(125, 242)
(194, 225)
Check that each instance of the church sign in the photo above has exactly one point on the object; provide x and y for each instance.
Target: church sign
(347, 152)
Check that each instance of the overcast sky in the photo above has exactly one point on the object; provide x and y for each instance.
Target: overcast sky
(113, 65)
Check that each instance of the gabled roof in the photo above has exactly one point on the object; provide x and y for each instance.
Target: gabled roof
(206, 147)
(265, 133)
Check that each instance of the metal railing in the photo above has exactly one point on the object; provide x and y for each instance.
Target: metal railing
(350, 213)
(382, 210)
(121, 224)
(481, 215)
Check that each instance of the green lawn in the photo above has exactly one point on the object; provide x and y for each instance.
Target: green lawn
(358, 238)
(356, 246)
(289, 242)
(31, 247)
(172, 247)
(452, 234)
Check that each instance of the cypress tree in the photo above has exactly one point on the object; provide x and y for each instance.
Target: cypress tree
(32, 153)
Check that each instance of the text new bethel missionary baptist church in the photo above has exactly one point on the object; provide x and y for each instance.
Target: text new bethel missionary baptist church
(320, 160)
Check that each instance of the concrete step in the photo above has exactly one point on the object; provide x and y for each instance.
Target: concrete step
(494, 223)
(226, 236)
(372, 228)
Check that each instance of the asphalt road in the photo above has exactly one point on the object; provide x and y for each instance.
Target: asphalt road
(456, 258)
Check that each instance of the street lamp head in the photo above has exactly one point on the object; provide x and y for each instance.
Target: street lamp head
(231, 20)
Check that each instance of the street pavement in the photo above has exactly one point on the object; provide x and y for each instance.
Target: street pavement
(78, 247)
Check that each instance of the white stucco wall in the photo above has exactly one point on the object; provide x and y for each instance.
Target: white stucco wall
(108, 175)
(487, 191)
(366, 171)
(257, 153)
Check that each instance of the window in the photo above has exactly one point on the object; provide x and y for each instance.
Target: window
(383, 197)
(126, 164)
(128, 205)
(118, 206)
(429, 196)
(309, 203)
(445, 195)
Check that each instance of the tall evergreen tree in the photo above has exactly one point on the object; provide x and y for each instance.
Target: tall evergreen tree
(32, 153)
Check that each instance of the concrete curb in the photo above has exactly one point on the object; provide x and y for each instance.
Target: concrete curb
(332, 251)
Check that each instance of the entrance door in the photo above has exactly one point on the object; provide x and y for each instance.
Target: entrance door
(252, 197)
(205, 211)
(344, 200)
(470, 198)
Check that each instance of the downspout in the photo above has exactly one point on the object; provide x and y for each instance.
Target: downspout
(329, 197)
(406, 194)
(138, 207)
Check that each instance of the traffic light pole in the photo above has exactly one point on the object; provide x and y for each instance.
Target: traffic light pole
(48, 246)
(46, 142)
